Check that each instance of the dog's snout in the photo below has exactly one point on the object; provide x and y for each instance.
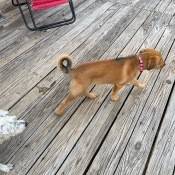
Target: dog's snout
(163, 65)
(25, 123)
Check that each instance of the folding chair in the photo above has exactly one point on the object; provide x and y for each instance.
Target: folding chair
(35, 5)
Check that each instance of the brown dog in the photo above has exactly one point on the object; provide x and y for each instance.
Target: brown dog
(118, 71)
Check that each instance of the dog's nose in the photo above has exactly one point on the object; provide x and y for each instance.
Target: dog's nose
(25, 123)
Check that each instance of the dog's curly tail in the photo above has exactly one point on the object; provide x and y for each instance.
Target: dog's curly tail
(64, 62)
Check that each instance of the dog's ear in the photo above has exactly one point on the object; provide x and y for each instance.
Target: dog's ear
(152, 62)
(143, 50)
(146, 50)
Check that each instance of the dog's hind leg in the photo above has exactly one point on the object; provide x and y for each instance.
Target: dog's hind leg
(6, 168)
(75, 89)
(115, 90)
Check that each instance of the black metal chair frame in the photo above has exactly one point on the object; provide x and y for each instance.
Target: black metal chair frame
(15, 4)
(47, 26)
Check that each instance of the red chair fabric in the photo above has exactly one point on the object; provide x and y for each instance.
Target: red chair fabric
(42, 4)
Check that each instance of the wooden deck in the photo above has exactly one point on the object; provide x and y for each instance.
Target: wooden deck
(133, 136)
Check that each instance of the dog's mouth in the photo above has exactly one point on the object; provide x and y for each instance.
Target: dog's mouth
(162, 66)
(20, 126)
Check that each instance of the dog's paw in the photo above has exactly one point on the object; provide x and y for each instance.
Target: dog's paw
(114, 98)
(58, 111)
(142, 86)
(7, 167)
(93, 95)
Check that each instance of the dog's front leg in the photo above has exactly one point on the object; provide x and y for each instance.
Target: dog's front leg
(6, 168)
(115, 90)
(135, 82)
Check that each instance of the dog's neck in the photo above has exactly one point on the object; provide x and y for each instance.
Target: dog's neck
(140, 63)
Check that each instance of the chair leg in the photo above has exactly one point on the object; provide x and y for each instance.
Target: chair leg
(23, 16)
(72, 10)
(15, 4)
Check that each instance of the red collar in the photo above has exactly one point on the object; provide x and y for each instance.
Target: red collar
(140, 63)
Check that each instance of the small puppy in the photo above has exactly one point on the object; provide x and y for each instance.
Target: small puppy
(118, 71)
(9, 126)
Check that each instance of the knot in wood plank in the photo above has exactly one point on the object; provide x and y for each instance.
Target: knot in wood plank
(138, 145)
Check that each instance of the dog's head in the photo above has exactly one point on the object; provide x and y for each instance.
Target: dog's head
(10, 126)
(152, 59)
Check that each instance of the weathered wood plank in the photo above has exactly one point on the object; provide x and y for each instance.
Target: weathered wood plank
(9, 13)
(162, 159)
(106, 35)
(156, 33)
(152, 4)
(7, 8)
(4, 3)
(113, 147)
(162, 6)
(141, 35)
(123, 2)
(171, 8)
(146, 4)
(138, 3)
